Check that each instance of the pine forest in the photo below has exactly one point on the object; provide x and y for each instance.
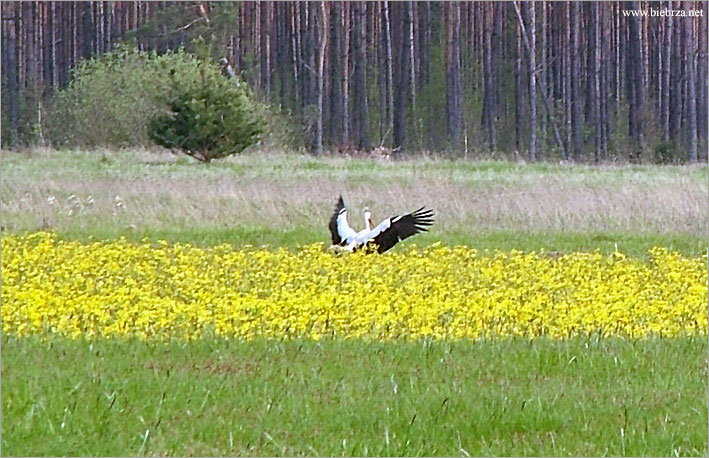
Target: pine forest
(577, 81)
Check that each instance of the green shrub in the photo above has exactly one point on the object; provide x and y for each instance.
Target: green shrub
(669, 153)
(210, 117)
(112, 98)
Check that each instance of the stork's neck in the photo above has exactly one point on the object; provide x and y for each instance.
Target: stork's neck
(368, 220)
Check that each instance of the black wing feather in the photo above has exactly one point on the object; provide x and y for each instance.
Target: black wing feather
(336, 239)
(403, 227)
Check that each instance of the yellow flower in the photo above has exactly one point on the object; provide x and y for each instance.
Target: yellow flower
(121, 289)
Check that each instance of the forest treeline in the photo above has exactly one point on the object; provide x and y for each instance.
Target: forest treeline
(583, 81)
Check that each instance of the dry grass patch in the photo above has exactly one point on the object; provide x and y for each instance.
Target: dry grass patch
(300, 191)
(286, 199)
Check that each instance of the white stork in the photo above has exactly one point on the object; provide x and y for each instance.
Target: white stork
(384, 236)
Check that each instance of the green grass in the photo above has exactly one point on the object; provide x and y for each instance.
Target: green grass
(636, 245)
(580, 397)
(135, 163)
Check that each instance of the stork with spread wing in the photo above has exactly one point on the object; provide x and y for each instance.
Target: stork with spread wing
(384, 236)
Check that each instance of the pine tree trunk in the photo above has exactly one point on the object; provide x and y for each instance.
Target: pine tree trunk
(294, 52)
(361, 111)
(498, 45)
(667, 45)
(63, 44)
(280, 19)
(382, 75)
(26, 41)
(519, 93)
(412, 56)
(334, 125)
(568, 81)
(321, 49)
(346, 83)
(606, 78)
(10, 50)
(532, 82)
(702, 78)
(488, 117)
(88, 30)
(556, 57)
(588, 42)
(107, 14)
(402, 92)
(576, 120)
(389, 69)
(676, 78)
(75, 26)
(543, 71)
(619, 63)
(308, 49)
(425, 43)
(635, 76)
(264, 51)
(50, 58)
(598, 147)
(691, 100)
(453, 84)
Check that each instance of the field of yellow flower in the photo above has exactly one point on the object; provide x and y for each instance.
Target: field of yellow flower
(122, 289)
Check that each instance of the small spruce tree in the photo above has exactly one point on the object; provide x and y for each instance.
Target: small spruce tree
(209, 118)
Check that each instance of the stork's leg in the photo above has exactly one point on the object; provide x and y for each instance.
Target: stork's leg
(338, 249)
(351, 247)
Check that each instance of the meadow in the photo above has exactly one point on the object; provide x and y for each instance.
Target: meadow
(155, 306)
(219, 397)
(280, 199)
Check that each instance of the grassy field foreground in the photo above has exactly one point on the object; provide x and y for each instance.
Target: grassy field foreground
(583, 397)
